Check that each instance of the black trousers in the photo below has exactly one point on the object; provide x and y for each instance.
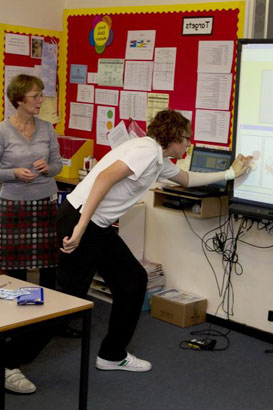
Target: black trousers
(25, 348)
(102, 250)
(47, 276)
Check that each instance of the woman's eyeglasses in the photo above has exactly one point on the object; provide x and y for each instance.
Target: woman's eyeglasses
(36, 97)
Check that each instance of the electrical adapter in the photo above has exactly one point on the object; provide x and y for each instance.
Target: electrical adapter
(202, 344)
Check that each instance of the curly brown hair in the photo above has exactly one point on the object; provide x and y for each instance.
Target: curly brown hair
(20, 85)
(168, 126)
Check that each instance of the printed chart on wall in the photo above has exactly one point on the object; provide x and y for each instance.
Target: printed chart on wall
(124, 67)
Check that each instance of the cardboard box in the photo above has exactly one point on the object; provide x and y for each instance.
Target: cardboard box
(73, 151)
(179, 308)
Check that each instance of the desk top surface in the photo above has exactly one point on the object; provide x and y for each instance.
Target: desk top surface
(56, 304)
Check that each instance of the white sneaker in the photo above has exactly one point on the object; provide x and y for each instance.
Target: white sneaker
(17, 382)
(131, 364)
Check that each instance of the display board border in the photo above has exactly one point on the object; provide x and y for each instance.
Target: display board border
(27, 31)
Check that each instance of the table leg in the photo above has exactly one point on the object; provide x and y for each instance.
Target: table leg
(2, 373)
(85, 354)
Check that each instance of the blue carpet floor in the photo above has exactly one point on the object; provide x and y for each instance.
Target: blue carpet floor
(239, 378)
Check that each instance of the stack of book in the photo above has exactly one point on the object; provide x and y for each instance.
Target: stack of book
(156, 280)
(155, 273)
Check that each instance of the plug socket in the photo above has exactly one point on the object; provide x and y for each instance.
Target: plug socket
(270, 316)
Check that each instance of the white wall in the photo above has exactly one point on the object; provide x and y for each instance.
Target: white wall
(47, 14)
(170, 241)
(70, 4)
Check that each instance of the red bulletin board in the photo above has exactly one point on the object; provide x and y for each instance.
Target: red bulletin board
(168, 26)
(8, 59)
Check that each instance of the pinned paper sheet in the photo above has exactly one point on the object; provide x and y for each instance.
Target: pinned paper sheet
(85, 93)
(105, 123)
(110, 72)
(213, 91)
(164, 67)
(49, 110)
(215, 56)
(140, 44)
(133, 105)
(106, 97)
(48, 73)
(17, 44)
(118, 135)
(138, 75)
(212, 126)
(81, 116)
(156, 102)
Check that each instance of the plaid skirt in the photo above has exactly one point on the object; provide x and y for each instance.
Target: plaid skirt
(28, 237)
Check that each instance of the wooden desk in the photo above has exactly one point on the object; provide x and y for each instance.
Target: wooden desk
(57, 307)
(209, 207)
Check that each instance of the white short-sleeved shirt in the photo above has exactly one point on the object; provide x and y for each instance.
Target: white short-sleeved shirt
(144, 157)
